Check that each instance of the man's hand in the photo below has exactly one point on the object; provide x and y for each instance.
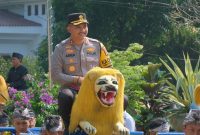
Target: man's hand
(80, 80)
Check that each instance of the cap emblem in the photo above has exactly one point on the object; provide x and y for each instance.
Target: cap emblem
(81, 18)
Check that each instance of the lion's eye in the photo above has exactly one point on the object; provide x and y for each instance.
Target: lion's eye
(101, 82)
(114, 82)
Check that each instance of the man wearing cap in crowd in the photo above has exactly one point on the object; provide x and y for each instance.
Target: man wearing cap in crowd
(4, 122)
(73, 58)
(21, 120)
(53, 125)
(191, 123)
(17, 73)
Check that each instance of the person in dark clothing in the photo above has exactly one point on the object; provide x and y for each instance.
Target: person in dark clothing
(16, 74)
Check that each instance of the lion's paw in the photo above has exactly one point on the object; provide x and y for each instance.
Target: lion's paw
(88, 128)
(121, 130)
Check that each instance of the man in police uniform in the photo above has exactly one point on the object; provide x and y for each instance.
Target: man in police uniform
(73, 58)
(17, 73)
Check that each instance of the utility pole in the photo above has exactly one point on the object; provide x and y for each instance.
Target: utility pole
(50, 35)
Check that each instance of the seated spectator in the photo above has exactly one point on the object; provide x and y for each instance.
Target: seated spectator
(4, 121)
(53, 125)
(32, 119)
(191, 123)
(129, 122)
(17, 73)
(21, 120)
(158, 125)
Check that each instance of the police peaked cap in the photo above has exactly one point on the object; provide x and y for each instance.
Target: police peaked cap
(77, 18)
(17, 55)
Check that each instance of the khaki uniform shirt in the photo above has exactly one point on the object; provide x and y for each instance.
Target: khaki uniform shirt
(70, 61)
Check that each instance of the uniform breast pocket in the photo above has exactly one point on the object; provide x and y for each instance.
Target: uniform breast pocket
(71, 65)
(92, 62)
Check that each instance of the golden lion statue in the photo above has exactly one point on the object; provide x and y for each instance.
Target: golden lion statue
(98, 108)
(3, 91)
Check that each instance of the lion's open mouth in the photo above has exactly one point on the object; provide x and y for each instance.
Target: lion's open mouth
(107, 97)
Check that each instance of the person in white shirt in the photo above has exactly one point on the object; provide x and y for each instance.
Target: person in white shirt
(129, 122)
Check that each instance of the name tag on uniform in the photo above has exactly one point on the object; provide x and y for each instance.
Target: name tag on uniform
(70, 55)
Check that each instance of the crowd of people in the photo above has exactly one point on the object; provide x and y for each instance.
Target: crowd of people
(71, 60)
(24, 119)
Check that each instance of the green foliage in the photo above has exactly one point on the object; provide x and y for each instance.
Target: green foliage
(174, 40)
(181, 89)
(45, 99)
(39, 97)
(125, 20)
(187, 12)
(121, 60)
(181, 93)
(43, 55)
(4, 66)
(59, 34)
(32, 64)
(144, 22)
(154, 103)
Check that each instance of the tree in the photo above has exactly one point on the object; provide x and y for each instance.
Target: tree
(125, 21)
(154, 103)
(186, 11)
(133, 74)
(43, 55)
(118, 23)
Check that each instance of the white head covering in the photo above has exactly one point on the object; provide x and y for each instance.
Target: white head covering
(23, 114)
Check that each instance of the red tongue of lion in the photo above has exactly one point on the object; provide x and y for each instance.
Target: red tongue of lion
(108, 96)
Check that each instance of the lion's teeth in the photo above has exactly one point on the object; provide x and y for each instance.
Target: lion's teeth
(105, 94)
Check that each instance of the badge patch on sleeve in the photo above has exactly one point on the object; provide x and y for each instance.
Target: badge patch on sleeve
(105, 59)
(106, 62)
